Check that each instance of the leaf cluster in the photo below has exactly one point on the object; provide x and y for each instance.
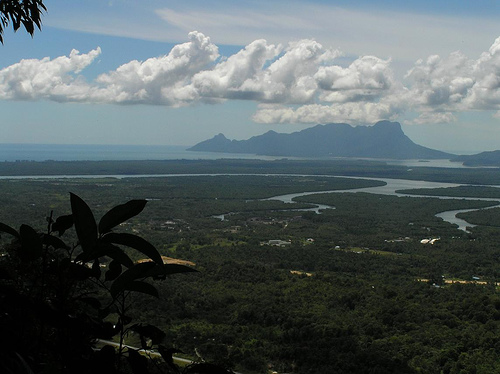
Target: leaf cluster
(61, 298)
(26, 13)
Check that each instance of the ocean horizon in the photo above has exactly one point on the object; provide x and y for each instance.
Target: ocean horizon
(11, 152)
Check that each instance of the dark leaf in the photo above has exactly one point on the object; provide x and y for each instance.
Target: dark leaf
(85, 226)
(79, 272)
(144, 344)
(142, 287)
(62, 224)
(9, 230)
(138, 363)
(115, 269)
(85, 257)
(104, 360)
(161, 272)
(138, 271)
(103, 313)
(28, 25)
(136, 242)
(116, 253)
(119, 214)
(53, 241)
(27, 12)
(17, 364)
(102, 249)
(149, 331)
(16, 23)
(105, 331)
(99, 250)
(124, 320)
(169, 269)
(166, 354)
(96, 269)
(91, 301)
(64, 264)
(31, 243)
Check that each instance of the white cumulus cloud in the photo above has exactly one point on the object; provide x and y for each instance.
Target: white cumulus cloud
(302, 82)
(457, 83)
(162, 80)
(366, 79)
(433, 117)
(47, 79)
(352, 113)
(230, 79)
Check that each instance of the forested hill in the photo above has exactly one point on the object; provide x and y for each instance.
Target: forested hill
(491, 158)
(383, 140)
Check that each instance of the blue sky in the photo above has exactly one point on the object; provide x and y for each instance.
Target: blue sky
(176, 72)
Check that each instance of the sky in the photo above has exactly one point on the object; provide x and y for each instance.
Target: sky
(154, 72)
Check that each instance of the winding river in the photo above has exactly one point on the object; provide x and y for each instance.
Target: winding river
(390, 188)
(392, 185)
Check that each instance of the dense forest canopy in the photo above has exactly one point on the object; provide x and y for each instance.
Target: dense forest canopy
(350, 290)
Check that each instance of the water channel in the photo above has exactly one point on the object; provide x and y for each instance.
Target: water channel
(390, 188)
(392, 185)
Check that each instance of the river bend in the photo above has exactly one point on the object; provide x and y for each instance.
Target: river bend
(392, 185)
(390, 188)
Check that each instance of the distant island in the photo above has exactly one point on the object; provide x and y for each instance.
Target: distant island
(384, 140)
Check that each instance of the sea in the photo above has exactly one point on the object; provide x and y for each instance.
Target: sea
(101, 152)
(86, 152)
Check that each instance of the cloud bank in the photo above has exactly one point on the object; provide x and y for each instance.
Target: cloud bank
(301, 82)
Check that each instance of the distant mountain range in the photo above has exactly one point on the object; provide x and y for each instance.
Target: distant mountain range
(384, 140)
(491, 158)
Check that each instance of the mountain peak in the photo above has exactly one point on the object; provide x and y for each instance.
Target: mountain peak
(387, 123)
(388, 126)
(385, 139)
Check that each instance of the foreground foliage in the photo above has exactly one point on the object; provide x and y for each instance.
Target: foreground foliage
(58, 302)
(26, 13)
